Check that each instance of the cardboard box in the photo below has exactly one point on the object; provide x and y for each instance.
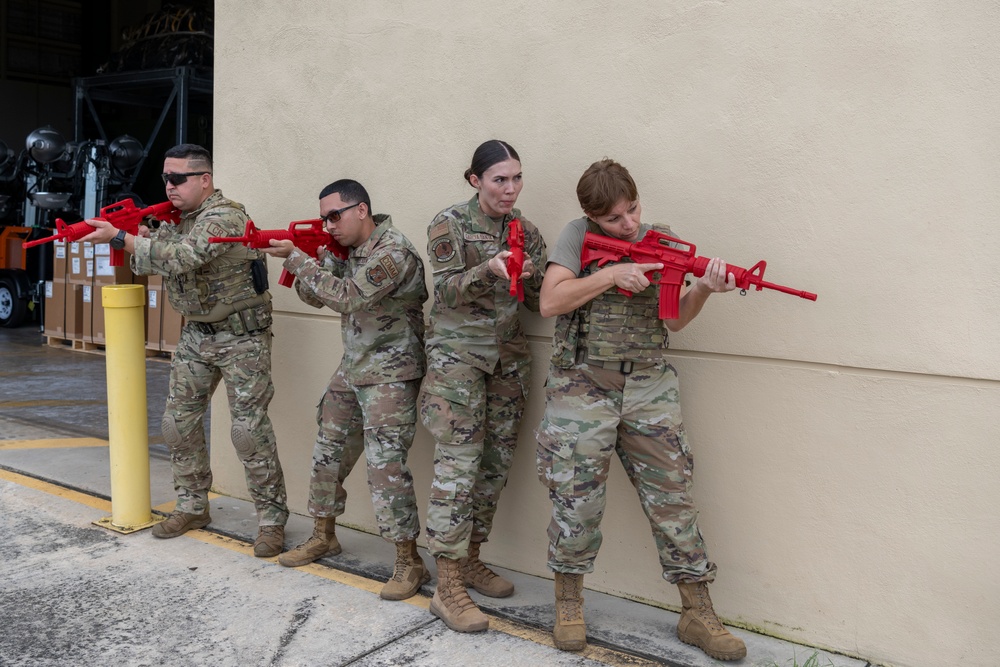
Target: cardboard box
(154, 299)
(55, 308)
(74, 311)
(59, 260)
(171, 323)
(80, 261)
(105, 274)
(88, 313)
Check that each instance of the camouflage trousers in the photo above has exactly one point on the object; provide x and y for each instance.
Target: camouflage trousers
(244, 364)
(473, 417)
(592, 413)
(379, 420)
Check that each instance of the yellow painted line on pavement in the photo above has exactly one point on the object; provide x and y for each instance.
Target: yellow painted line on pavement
(596, 653)
(52, 443)
(56, 490)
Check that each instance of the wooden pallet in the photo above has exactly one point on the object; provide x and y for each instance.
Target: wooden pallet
(80, 345)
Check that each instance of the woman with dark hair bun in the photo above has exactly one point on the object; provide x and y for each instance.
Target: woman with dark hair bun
(477, 376)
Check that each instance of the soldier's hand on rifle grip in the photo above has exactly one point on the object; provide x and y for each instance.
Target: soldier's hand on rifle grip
(716, 278)
(103, 232)
(279, 248)
(498, 264)
(527, 268)
(632, 277)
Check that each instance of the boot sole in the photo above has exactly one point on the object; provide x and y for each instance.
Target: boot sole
(305, 561)
(473, 628)
(570, 645)
(488, 593)
(408, 594)
(718, 655)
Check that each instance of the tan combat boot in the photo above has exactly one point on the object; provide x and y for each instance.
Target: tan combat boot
(699, 626)
(270, 541)
(451, 602)
(570, 633)
(409, 575)
(179, 523)
(484, 580)
(322, 543)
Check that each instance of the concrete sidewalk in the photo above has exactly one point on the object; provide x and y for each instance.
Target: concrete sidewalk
(73, 593)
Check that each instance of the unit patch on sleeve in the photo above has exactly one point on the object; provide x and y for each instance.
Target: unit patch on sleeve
(376, 275)
(443, 249)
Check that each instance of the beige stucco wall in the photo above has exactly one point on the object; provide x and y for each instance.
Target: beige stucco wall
(846, 449)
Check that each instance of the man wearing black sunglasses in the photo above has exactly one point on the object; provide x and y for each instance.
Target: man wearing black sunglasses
(371, 403)
(226, 336)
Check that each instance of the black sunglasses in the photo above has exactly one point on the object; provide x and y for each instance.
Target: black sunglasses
(178, 179)
(334, 215)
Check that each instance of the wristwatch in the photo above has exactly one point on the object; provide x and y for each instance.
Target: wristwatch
(118, 242)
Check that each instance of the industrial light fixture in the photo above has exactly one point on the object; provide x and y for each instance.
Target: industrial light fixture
(126, 152)
(45, 145)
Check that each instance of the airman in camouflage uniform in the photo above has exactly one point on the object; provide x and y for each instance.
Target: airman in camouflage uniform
(371, 403)
(477, 378)
(226, 336)
(611, 391)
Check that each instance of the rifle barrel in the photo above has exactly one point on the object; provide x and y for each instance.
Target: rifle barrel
(787, 290)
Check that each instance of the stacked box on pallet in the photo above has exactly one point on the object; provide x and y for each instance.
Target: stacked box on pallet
(78, 286)
(105, 274)
(54, 323)
(163, 323)
(154, 304)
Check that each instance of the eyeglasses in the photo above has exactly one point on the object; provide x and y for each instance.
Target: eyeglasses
(179, 179)
(334, 215)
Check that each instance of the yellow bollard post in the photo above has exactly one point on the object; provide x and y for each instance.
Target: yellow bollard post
(128, 430)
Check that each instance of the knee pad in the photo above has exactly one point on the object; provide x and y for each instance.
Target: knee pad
(243, 439)
(171, 434)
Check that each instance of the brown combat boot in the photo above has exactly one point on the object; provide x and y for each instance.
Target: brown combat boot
(570, 633)
(699, 626)
(179, 523)
(484, 580)
(270, 541)
(409, 575)
(322, 543)
(451, 602)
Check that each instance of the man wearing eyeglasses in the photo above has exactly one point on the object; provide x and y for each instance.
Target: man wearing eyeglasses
(226, 335)
(371, 403)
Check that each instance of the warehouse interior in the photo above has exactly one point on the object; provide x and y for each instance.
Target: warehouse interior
(93, 93)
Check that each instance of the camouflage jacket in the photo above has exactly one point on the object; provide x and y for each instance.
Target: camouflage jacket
(611, 326)
(380, 290)
(474, 317)
(200, 276)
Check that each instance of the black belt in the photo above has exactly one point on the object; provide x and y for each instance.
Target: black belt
(242, 323)
(624, 367)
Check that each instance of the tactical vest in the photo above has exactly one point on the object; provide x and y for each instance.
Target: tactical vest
(612, 326)
(216, 286)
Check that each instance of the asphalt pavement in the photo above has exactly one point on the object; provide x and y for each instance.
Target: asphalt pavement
(75, 593)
